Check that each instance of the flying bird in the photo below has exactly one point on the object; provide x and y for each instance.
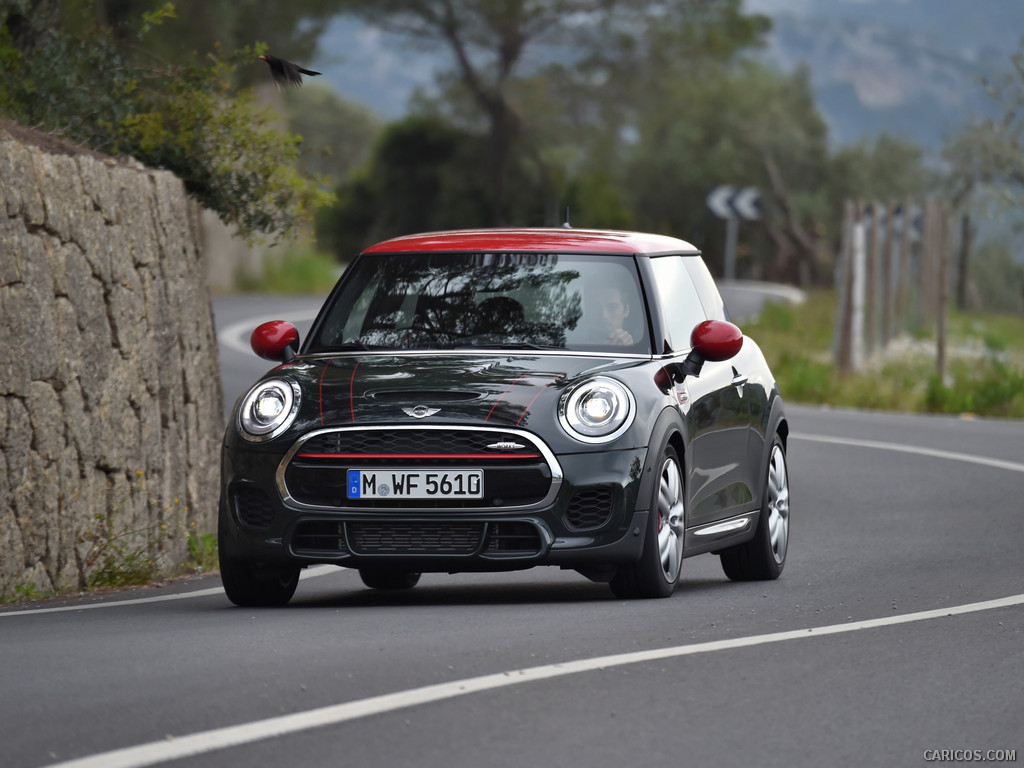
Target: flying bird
(285, 73)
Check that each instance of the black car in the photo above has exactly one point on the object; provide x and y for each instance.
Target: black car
(499, 399)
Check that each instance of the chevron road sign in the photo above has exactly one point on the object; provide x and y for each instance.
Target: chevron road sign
(731, 203)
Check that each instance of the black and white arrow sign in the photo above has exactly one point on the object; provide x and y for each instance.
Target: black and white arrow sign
(730, 203)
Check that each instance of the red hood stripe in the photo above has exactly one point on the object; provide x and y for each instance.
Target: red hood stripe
(322, 375)
(505, 393)
(556, 378)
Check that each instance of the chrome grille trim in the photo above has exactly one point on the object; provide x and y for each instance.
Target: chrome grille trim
(546, 454)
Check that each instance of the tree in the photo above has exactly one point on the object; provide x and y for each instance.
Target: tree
(84, 82)
(985, 162)
(496, 46)
(338, 135)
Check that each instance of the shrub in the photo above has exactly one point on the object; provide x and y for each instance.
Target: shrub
(86, 84)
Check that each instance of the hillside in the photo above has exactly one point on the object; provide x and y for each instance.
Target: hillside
(909, 67)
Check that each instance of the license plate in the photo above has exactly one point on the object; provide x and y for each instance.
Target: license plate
(415, 484)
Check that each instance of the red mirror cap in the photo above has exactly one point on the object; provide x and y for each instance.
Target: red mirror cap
(716, 340)
(270, 340)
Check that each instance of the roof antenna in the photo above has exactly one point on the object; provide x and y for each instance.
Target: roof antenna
(566, 224)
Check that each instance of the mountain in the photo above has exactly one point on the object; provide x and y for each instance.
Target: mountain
(907, 67)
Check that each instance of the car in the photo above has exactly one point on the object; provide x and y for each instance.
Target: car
(499, 399)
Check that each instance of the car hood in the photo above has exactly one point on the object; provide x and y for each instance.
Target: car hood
(502, 390)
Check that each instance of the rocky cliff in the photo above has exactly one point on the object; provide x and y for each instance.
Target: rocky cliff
(110, 393)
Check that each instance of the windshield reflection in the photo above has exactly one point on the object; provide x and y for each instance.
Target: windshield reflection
(529, 301)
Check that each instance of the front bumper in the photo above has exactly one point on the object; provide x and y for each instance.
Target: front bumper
(572, 510)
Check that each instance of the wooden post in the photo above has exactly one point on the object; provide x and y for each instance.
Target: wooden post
(858, 289)
(903, 283)
(871, 279)
(926, 276)
(943, 225)
(844, 281)
(887, 292)
(965, 255)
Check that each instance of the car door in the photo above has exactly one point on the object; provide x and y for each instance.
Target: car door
(713, 405)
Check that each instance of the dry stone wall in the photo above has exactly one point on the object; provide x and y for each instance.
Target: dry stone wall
(110, 393)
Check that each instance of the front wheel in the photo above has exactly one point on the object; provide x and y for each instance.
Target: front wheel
(656, 573)
(764, 556)
(253, 584)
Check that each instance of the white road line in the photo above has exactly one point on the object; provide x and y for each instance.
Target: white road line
(236, 335)
(984, 461)
(247, 733)
(309, 573)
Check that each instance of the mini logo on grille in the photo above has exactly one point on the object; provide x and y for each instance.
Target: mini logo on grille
(420, 411)
(506, 445)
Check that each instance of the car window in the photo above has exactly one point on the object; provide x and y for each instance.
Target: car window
(588, 303)
(681, 307)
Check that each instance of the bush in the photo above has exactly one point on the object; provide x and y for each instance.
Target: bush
(88, 85)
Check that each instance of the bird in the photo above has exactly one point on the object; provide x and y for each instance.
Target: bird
(285, 73)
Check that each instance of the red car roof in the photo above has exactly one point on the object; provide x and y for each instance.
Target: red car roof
(543, 240)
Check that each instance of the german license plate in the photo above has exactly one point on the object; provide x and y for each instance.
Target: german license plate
(415, 484)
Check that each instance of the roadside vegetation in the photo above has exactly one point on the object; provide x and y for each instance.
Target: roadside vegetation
(302, 269)
(984, 372)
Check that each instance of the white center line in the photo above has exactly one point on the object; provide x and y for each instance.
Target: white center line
(247, 733)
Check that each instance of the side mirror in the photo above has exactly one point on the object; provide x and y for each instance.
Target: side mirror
(714, 340)
(276, 340)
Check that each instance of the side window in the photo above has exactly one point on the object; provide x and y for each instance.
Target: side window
(677, 295)
(706, 288)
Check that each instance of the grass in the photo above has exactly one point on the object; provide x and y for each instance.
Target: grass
(301, 270)
(984, 372)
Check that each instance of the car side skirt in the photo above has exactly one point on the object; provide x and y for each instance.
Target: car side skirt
(720, 534)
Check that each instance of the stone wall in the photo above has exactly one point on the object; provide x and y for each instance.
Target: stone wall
(110, 389)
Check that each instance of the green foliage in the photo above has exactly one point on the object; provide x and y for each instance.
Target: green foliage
(300, 270)
(119, 555)
(996, 280)
(424, 175)
(337, 135)
(535, 141)
(202, 553)
(985, 373)
(87, 85)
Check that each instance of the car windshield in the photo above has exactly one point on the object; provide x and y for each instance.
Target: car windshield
(577, 302)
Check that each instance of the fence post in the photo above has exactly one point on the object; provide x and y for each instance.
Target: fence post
(871, 280)
(942, 302)
(844, 275)
(887, 278)
(858, 291)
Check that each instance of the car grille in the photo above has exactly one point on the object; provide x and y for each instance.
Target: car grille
(253, 507)
(327, 538)
(588, 509)
(513, 477)
(415, 538)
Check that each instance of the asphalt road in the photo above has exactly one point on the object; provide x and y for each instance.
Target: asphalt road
(896, 632)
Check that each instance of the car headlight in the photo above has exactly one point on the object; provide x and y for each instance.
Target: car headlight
(268, 409)
(597, 411)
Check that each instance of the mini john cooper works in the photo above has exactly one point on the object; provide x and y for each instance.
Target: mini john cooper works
(500, 399)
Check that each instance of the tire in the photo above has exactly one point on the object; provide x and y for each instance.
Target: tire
(252, 584)
(764, 556)
(656, 573)
(389, 580)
